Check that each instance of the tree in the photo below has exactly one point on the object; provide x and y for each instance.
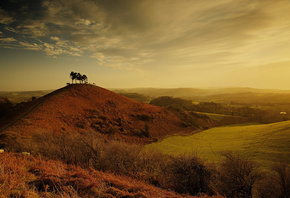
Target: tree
(73, 76)
(77, 76)
(85, 79)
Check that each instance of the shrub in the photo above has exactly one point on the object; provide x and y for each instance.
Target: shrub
(236, 176)
(73, 148)
(268, 187)
(276, 183)
(119, 157)
(5, 106)
(152, 167)
(188, 174)
(282, 171)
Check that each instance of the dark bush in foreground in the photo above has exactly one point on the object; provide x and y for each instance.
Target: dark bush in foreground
(189, 175)
(236, 176)
(5, 106)
(282, 171)
(276, 184)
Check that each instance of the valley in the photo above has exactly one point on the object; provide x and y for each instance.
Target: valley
(151, 145)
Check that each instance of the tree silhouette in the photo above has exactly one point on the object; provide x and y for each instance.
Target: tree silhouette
(73, 76)
(85, 79)
(77, 76)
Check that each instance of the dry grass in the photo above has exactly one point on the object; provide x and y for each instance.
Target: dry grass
(23, 176)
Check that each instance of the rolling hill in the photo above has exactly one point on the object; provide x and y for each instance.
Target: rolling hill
(84, 107)
(264, 143)
(197, 92)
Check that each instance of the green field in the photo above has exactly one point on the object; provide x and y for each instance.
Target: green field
(218, 117)
(263, 143)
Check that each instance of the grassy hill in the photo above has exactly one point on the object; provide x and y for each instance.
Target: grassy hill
(83, 107)
(263, 143)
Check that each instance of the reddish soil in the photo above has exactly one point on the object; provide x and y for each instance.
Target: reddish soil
(83, 108)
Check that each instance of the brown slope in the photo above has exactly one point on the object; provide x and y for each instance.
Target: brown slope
(87, 107)
(23, 176)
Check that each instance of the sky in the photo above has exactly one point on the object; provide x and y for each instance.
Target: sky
(145, 43)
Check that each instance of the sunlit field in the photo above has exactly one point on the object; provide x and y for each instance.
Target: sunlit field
(263, 143)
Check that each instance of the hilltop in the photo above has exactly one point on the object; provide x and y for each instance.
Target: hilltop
(83, 107)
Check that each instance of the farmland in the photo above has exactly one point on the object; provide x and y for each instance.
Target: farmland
(263, 143)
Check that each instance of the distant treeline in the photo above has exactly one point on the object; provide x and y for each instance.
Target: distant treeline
(254, 114)
(136, 96)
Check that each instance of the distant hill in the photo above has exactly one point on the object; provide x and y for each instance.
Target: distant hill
(23, 96)
(242, 95)
(83, 108)
(193, 92)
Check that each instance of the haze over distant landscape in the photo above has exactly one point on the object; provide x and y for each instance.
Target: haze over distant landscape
(127, 43)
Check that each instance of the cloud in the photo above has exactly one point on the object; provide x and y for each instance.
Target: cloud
(8, 39)
(150, 34)
(5, 17)
(30, 46)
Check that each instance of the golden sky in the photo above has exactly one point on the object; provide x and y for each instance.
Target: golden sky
(146, 43)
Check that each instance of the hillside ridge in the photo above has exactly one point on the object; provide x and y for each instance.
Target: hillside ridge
(84, 107)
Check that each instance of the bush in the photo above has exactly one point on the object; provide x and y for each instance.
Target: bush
(5, 106)
(282, 172)
(276, 182)
(236, 176)
(268, 187)
(72, 148)
(188, 174)
(119, 157)
(152, 167)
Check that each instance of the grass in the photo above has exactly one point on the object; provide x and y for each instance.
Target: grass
(263, 143)
(35, 177)
(218, 117)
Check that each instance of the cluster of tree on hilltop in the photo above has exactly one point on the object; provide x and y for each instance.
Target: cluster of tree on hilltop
(77, 76)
